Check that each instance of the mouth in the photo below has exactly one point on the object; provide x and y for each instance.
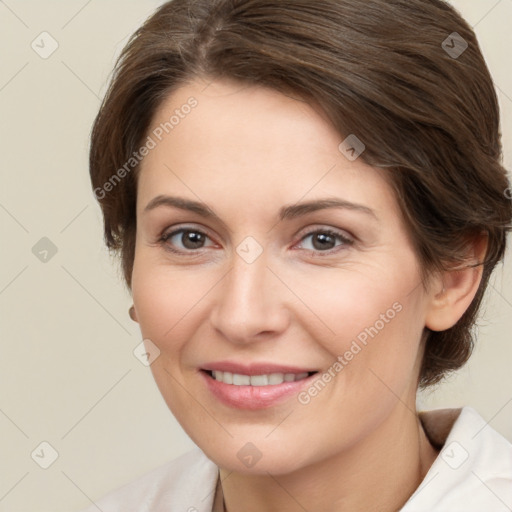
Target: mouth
(257, 391)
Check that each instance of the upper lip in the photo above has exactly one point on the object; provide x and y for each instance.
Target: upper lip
(254, 368)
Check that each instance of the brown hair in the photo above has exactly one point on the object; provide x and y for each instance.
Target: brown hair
(392, 72)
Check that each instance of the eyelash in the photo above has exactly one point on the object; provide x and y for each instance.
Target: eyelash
(163, 240)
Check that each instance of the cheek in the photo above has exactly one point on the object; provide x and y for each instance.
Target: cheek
(165, 299)
(373, 320)
(356, 305)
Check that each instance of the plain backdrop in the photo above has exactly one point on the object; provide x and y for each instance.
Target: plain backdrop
(68, 373)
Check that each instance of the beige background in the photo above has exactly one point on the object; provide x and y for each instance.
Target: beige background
(68, 374)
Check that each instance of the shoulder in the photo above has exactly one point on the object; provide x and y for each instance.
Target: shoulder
(186, 483)
(473, 471)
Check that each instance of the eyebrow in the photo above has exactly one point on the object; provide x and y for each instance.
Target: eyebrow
(287, 212)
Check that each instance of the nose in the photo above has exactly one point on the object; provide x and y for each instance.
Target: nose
(251, 302)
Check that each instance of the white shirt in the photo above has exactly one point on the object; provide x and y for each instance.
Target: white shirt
(473, 473)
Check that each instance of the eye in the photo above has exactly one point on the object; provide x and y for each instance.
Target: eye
(324, 240)
(191, 239)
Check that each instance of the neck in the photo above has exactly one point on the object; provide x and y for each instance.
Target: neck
(379, 473)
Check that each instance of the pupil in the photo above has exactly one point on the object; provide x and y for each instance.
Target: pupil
(192, 238)
(323, 238)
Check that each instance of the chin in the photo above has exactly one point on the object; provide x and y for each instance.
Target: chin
(253, 460)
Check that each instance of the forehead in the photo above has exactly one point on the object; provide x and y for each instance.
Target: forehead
(237, 119)
(251, 143)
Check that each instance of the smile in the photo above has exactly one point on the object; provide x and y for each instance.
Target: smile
(257, 391)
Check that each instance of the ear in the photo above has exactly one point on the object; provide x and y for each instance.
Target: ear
(453, 290)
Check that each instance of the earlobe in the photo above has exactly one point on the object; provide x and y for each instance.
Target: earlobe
(133, 314)
(455, 289)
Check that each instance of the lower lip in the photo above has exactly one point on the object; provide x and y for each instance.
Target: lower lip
(254, 397)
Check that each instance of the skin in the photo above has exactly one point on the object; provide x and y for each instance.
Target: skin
(246, 152)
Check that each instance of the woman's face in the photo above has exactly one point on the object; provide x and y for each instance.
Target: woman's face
(263, 280)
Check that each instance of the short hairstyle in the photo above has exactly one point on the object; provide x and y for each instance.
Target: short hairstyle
(395, 73)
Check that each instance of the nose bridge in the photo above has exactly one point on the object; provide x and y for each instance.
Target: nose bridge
(250, 302)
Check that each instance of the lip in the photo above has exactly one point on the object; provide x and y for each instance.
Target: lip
(253, 397)
(254, 368)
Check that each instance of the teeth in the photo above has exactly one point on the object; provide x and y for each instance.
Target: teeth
(257, 380)
(238, 380)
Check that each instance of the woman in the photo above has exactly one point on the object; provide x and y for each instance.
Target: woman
(308, 201)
